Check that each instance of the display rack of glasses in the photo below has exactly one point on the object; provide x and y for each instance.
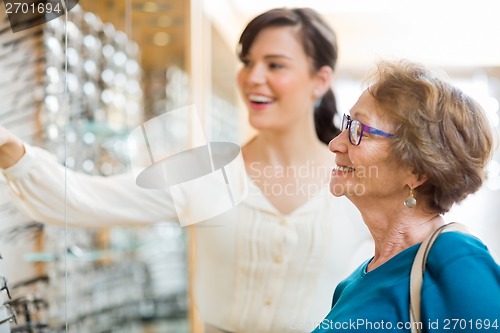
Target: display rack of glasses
(73, 86)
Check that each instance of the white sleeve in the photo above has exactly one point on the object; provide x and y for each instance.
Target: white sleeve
(48, 192)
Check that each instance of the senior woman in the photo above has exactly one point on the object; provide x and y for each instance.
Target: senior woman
(413, 146)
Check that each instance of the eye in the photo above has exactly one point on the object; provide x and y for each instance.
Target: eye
(246, 62)
(355, 128)
(275, 65)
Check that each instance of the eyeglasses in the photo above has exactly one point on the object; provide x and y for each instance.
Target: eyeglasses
(356, 129)
(8, 315)
(3, 286)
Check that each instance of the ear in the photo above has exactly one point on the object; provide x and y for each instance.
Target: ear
(417, 181)
(323, 81)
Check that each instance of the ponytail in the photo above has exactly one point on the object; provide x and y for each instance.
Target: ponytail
(324, 114)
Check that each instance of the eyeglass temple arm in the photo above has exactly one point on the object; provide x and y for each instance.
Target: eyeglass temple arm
(376, 131)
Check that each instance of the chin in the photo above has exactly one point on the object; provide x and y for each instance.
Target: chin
(337, 189)
(260, 124)
(255, 122)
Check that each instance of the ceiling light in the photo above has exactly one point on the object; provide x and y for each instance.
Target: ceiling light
(164, 21)
(161, 38)
(150, 7)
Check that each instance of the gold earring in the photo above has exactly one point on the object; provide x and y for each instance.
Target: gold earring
(410, 202)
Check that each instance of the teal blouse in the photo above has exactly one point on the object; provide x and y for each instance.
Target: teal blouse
(460, 292)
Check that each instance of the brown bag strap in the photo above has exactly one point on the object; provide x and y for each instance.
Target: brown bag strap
(418, 268)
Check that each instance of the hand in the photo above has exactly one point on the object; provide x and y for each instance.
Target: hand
(11, 148)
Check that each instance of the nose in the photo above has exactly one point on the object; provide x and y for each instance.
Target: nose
(256, 74)
(339, 143)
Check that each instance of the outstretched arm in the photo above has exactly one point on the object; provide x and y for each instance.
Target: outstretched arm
(51, 193)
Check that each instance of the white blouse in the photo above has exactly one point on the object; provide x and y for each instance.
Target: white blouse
(257, 270)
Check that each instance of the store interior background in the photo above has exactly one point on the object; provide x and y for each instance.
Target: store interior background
(131, 60)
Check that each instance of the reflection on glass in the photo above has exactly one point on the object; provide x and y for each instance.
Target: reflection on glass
(83, 116)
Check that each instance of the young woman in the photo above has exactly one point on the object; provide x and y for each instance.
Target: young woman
(263, 266)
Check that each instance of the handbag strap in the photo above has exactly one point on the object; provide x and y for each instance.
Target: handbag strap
(418, 268)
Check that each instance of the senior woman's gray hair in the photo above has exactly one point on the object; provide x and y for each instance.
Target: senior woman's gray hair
(439, 131)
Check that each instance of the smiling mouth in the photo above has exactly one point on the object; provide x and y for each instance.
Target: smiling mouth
(344, 168)
(260, 99)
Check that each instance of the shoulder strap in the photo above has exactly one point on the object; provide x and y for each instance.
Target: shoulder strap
(418, 268)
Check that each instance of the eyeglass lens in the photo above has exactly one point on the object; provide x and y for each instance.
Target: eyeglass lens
(355, 132)
(354, 127)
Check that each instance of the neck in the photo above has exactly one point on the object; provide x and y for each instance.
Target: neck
(394, 232)
(287, 148)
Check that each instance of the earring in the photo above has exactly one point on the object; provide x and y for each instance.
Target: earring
(410, 202)
(316, 92)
